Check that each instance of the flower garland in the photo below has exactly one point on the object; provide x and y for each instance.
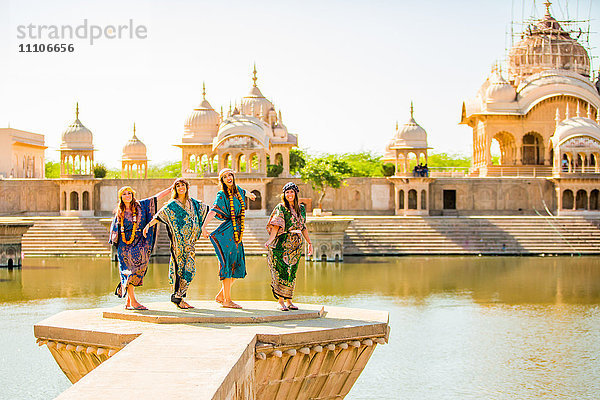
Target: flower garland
(135, 226)
(236, 235)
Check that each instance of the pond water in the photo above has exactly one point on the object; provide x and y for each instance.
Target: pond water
(462, 327)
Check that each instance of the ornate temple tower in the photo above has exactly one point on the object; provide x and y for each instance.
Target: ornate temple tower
(134, 161)
(77, 150)
(77, 164)
(408, 147)
(547, 70)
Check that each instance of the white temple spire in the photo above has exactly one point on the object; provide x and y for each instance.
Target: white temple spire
(557, 117)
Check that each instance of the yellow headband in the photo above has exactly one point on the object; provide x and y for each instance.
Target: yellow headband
(123, 189)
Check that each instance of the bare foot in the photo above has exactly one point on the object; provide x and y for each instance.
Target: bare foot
(219, 298)
(183, 305)
(231, 304)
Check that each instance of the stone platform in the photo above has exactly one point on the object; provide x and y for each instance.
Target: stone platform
(212, 352)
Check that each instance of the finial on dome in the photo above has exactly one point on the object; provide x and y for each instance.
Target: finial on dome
(279, 117)
(411, 109)
(557, 117)
(254, 78)
(77, 110)
(221, 112)
(203, 91)
(396, 125)
(548, 3)
(134, 129)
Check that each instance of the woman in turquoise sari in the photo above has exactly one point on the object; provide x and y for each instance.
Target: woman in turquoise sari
(133, 249)
(229, 207)
(183, 217)
(287, 228)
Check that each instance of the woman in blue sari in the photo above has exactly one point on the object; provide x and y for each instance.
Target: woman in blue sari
(229, 207)
(133, 248)
(183, 217)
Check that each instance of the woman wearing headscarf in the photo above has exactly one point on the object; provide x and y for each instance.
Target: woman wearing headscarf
(183, 217)
(133, 248)
(286, 227)
(229, 207)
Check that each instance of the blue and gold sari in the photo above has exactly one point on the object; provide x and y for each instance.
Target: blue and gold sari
(184, 226)
(133, 258)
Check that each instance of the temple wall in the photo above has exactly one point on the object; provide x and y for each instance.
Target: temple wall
(361, 196)
(494, 196)
(29, 197)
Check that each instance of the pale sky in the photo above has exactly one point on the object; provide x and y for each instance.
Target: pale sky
(341, 72)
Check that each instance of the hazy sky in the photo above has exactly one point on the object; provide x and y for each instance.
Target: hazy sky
(341, 72)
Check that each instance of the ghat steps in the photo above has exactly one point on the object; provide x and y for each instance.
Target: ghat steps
(255, 236)
(472, 235)
(60, 236)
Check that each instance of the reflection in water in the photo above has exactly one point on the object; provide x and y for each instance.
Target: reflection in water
(462, 327)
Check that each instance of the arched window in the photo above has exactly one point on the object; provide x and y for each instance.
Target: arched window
(567, 200)
(581, 200)
(594, 200)
(401, 199)
(64, 201)
(85, 200)
(532, 149)
(278, 159)
(256, 204)
(412, 199)
(423, 200)
(74, 198)
(204, 163)
(242, 165)
(254, 163)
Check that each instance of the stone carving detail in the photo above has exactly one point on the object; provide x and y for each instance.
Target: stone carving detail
(314, 371)
(77, 360)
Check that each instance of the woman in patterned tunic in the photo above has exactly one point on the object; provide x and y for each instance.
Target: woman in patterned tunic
(286, 228)
(183, 217)
(229, 207)
(133, 249)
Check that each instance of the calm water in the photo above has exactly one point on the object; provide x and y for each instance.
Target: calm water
(462, 327)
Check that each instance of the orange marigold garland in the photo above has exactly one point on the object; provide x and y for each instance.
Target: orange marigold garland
(135, 225)
(236, 235)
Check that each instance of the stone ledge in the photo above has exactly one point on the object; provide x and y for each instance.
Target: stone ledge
(211, 313)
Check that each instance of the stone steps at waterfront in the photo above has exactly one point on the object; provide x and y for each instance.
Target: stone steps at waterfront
(66, 236)
(464, 235)
(255, 235)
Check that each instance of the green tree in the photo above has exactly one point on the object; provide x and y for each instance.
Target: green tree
(363, 163)
(325, 172)
(100, 171)
(52, 169)
(273, 170)
(388, 169)
(448, 160)
(297, 160)
(165, 170)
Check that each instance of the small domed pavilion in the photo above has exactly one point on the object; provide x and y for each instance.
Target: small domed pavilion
(134, 161)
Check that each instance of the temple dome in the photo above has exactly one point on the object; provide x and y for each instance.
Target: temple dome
(203, 123)
(576, 126)
(410, 135)
(546, 45)
(77, 136)
(499, 90)
(134, 149)
(254, 103)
